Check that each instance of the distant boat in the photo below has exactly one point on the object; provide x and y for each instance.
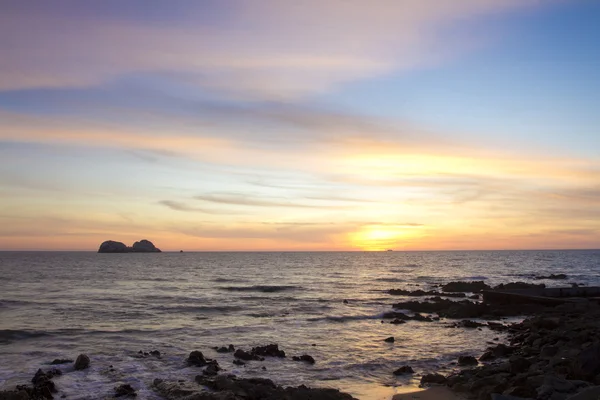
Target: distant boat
(389, 250)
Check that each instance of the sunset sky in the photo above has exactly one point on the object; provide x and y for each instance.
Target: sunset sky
(300, 125)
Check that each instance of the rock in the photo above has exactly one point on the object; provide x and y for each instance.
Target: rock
(14, 395)
(473, 286)
(223, 349)
(197, 359)
(110, 246)
(144, 246)
(212, 369)
(519, 285)
(247, 356)
(433, 378)
(467, 323)
(270, 350)
(496, 396)
(239, 362)
(390, 339)
(420, 293)
(589, 393)
(82, 362)
(304, 357)
(125, 390)
(467, 360)
(519, 364)
(398, 321)
(405, 369)
(59, 361)
(231, 388)
(155, 353)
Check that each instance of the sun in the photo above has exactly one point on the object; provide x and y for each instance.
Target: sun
(379, 238)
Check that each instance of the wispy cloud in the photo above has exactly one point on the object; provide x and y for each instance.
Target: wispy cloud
(257, 48)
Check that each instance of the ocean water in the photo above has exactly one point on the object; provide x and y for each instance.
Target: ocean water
(111, 306)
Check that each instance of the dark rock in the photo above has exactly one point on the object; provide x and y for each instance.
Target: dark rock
(223, 349)
(125, 390)
(144, 246)
(304, 357)
(239, 362)
(59, 361)
(247, 356)
(398, 321)
(270, 350)
(14, 395)
(345, 301)
(473, 286)
(232, 388)
(467, 323)
(212, 369)
(467, 360)
(82, 362)
(405, 369)
(519, 364)
(420, 293)
(519, 285)
(197, 359)
(389, 340)
(110, 246)
(433, 378)
(155, 353)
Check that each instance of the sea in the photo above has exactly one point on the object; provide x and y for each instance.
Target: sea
(325, 304)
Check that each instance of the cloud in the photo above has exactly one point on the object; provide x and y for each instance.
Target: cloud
(260, 48)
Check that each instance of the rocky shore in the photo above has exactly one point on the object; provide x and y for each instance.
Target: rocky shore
(552, 354)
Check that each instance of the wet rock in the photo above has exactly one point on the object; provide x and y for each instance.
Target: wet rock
(197, 359)
(223, 349)
(390, 339)
(125, 390)
(519, 285)
(239, 362)
(247, 356)
(270, 350)
(305, 358)
(14, 395)
(231, 387)
(403, 370)
(59, 361)
(433, 378)
(421, 293)
(82, 362)
(398, 321)
(467, 323)
(467, 360)
(473, 286)
(212, 369)
(155, 353)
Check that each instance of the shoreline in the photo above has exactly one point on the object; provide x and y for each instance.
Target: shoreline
(430, 393)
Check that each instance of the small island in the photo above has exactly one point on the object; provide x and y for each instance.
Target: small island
(143, 246)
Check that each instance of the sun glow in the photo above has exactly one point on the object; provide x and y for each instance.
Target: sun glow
(379, 237)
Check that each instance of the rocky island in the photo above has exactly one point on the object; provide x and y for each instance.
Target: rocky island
(143, 246)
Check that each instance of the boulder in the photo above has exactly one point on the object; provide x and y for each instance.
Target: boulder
(437, 379)
(390, 339)
(110, 246)
(144, 246)
(473, 286)
(197, 359)
(125, 390)
(82, 362)
(305, 358)
(405, 369)
(467, 360)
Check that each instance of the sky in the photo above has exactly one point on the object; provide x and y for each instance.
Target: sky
(317, 125)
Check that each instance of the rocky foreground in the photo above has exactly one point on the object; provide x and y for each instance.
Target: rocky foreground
(554, 354)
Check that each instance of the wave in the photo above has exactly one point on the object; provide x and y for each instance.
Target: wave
(11, 335)
(344, 318)
(225, 280)
(193, 309)
(260, 288)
